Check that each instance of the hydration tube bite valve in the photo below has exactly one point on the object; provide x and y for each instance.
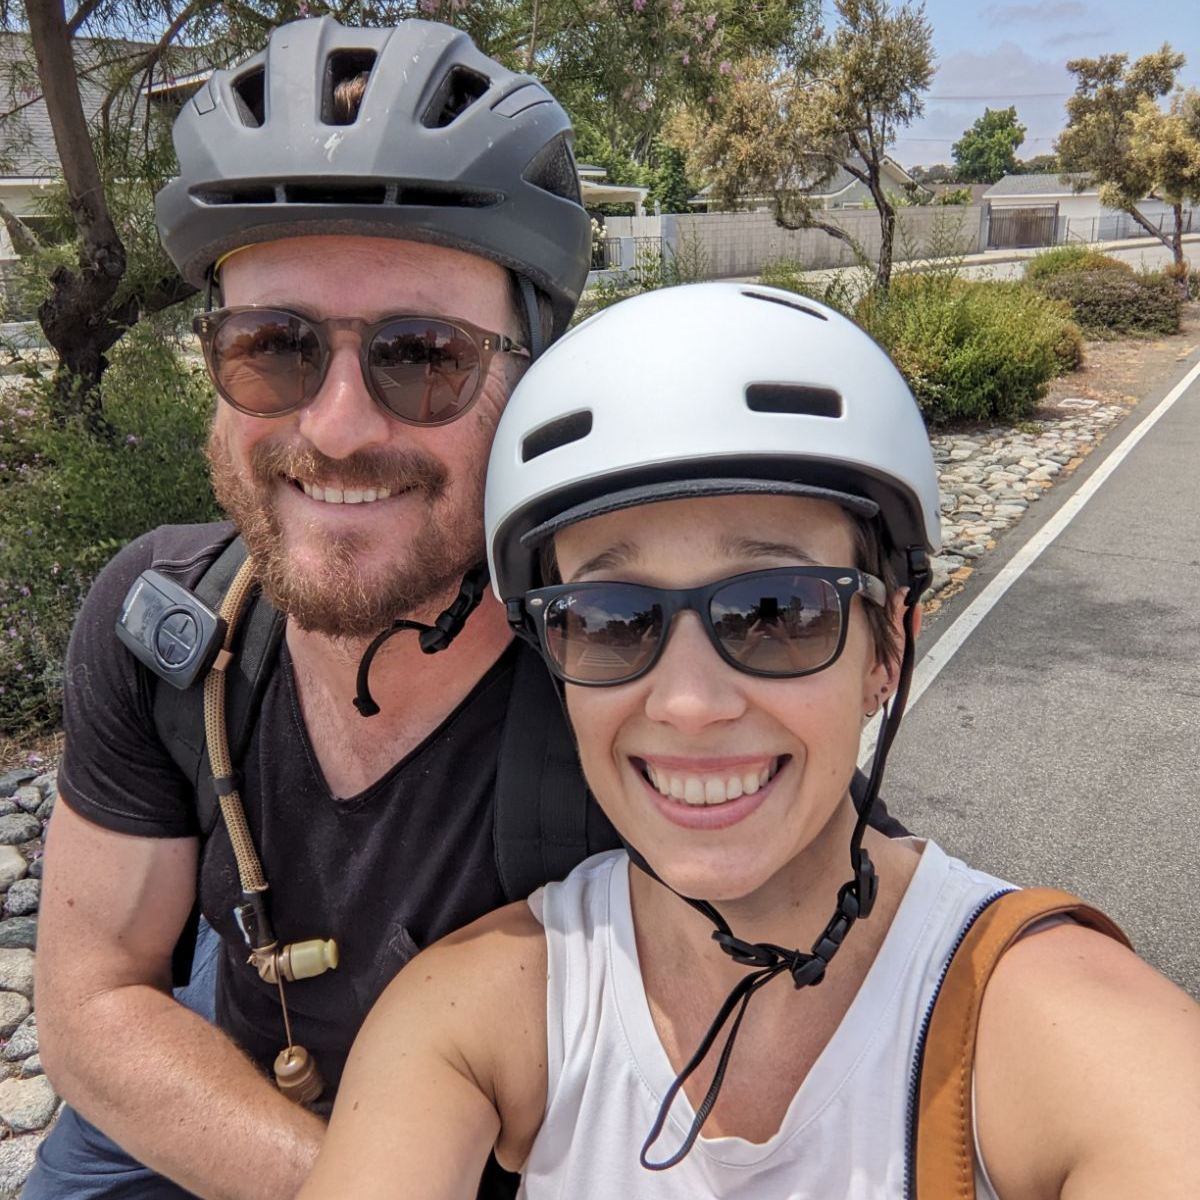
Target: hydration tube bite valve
(296, 1074)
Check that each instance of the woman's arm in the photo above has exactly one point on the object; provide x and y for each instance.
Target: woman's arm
(1087, 1074)
(449, 1064)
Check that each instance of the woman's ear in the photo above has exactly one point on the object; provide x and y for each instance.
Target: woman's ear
(885, 675)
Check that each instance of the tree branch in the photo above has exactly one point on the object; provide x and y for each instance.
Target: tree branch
(149, 59)
(76, 154)
(84, 11)
(23, 238)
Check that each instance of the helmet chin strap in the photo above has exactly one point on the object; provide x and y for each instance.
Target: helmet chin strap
(855, 900)
(433, 637)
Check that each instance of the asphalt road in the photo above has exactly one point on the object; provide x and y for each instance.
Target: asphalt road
(1060, 744)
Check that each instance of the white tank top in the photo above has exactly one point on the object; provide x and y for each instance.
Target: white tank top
(845, 1133)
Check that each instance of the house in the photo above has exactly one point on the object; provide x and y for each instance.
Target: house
(596, 190)
(842, 190)
(1046, 209)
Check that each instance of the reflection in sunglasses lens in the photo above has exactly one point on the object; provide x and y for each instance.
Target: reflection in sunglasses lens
(779, 625)
(424, 370)
(267, 362)
(600, 636)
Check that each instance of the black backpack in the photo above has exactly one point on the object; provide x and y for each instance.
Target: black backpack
(546, 820)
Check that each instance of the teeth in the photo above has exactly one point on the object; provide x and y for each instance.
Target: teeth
(711, 789)
(348, 496)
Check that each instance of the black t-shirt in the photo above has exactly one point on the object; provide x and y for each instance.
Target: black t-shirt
(384, 873)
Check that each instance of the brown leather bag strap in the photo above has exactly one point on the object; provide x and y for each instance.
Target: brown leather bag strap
(945, 1142)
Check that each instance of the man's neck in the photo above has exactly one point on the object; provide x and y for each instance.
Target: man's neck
(415, 693)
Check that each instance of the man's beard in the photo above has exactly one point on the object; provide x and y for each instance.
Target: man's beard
(341, 599)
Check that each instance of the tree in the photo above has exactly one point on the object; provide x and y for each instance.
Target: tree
(91, 68)
(988, 150)
(1117, 138)
(786, 132)
(618, 64)
(1039, 164)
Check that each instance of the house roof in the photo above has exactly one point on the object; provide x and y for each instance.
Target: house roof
(1048, 184)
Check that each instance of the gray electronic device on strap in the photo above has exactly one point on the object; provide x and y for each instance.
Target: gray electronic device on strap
(169, 629)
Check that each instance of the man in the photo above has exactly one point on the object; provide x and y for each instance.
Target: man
(392, 223)
(425, 192)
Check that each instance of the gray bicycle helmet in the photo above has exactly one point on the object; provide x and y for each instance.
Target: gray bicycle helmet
(448, 147)
(707, 389)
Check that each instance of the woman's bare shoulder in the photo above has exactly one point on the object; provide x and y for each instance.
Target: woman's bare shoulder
(1087, 1072)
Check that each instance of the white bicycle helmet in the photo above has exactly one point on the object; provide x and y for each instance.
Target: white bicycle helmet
(706, 389)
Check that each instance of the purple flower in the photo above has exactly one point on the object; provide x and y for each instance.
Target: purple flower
(710, 22)
(33, 759)
(639, 5)
(725, 67)
(24, 591)
(131, 439)
(687, 58)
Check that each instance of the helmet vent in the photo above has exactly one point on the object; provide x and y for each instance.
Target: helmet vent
(552, 169)
(457, 92)
(796, 304)
(794, 399)
(248, 95)
(346, 75)
(560, 432)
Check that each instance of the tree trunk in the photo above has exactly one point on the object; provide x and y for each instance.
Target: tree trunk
(1181, 264)
(77, 316)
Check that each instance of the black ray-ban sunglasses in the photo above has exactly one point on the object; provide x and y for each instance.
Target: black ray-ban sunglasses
(421, 370)
(779, 623)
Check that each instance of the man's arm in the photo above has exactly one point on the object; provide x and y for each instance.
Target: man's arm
(450, 1062)
(188, 1104)
(1087, 1074)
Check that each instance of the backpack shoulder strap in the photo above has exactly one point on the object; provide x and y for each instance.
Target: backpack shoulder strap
(546, 821)
(179, 715)
(945, 1142)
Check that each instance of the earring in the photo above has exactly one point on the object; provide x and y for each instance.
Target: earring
(879, 695)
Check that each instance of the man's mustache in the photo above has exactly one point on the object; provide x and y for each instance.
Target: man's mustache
(395, 470)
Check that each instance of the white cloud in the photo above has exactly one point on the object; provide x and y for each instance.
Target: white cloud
(1071, 10)
(966, 83)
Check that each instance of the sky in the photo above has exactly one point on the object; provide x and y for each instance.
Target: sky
(993, 55)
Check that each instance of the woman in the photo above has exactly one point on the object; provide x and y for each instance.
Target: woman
(713, 506)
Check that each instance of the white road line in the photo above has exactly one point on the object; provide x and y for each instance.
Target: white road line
(948, 644)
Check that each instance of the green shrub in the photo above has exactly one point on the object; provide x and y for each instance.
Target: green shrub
(840, 289)
(972, 350)
(1064, 260)
(70, 499)
(1108, 303)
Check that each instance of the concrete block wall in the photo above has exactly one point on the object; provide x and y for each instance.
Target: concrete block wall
(743, 243)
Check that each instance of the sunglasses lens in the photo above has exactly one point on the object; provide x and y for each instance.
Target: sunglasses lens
(425, 371)
(778, 624)
(266, 362)
(604, 634)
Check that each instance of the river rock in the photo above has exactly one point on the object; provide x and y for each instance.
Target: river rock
(24, 1041)
(8, 807)
(35, 867)
(46, 808)
(18, 933)
(16, 973)
(16, 1161)
(14, 1008)
(12, 867)
(28, 798)
(23, 898)
(32, 1066)
(47, 784)
(27, 1104)
(11, 780)
(19, 827)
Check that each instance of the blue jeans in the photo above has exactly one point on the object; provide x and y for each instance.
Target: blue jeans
(78, 1161)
